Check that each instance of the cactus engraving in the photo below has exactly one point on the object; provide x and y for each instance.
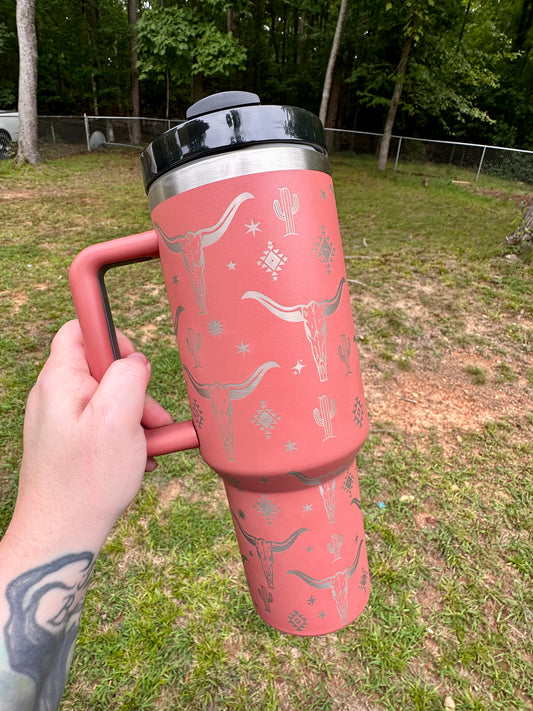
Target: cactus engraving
(335, 546)
(323, 415)
(194, 344)
(345, 349)
(285, 209)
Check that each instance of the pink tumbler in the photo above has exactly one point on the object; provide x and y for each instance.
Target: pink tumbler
(246, 229)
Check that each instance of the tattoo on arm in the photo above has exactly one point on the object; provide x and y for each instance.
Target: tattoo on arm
(45, 606)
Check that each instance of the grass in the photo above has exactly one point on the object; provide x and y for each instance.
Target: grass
(444, 318)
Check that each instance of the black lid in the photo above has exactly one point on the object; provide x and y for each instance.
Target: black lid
(228, 121)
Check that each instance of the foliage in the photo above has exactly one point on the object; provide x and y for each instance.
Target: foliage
(8, 56)
(181, 41)
(469, 70)
(83, 56)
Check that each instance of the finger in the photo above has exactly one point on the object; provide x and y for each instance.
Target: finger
(154, 414)
(65, 382)
(122, 391)
(151, 464)
(125, 346)
(68, 347)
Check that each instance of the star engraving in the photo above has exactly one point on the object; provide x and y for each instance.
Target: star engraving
(308, 508)
(290, 447)
(231, 266)
(253, 227)
(297, 369)
(243, 348)
(215, 327)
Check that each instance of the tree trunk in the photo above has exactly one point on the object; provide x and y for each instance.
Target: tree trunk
(332, 137)
(232, 22)
(28, 150)
(393, 106)
(331, 62)
(136, 137)
(524, 232)
(197, 87)
(167, 95)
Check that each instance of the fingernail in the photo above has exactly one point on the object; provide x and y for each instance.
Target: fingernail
(140, 357)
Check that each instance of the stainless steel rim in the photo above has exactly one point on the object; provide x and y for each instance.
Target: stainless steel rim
(246, 161)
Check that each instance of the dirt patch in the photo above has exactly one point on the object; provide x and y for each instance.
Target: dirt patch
(170, 492)
(17, 195)
(519, 199)
(421, 400)
(17, 299)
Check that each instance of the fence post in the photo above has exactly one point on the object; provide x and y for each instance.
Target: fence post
(86, 121)
(397, 154)
(480, 163)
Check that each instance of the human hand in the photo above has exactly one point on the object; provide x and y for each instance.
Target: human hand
(84, 446)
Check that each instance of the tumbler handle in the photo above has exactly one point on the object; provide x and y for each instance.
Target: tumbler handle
(91, 302)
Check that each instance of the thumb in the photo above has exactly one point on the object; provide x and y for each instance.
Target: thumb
(121, 394)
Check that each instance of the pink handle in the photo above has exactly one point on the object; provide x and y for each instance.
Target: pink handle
(90, 300)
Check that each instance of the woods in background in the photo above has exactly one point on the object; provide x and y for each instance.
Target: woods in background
(455, 68)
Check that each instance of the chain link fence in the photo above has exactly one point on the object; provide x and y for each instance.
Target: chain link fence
(61, 135)
(454, 160)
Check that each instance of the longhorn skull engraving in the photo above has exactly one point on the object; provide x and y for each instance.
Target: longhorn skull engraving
(222, 395)
(326, 484)
(192, 245)
(313, 315)
(338, 584)
(266, 549)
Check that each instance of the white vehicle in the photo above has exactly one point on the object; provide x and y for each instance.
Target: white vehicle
(9, 132)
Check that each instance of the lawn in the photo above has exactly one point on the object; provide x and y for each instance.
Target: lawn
(444, 317)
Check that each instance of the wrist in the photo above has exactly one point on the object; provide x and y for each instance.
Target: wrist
(68, 514)
(36, 534)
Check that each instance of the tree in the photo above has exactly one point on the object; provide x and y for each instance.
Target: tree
(84, 56)
(394, 102)
(331, 62)
(468, 73)
(523, 234)
(28, 151)
(458, 62)
(417, 15)
(7, 88)
(134, 73)
(184, 44)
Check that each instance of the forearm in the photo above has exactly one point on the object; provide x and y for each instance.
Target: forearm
(41, 599)
(83, 463)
